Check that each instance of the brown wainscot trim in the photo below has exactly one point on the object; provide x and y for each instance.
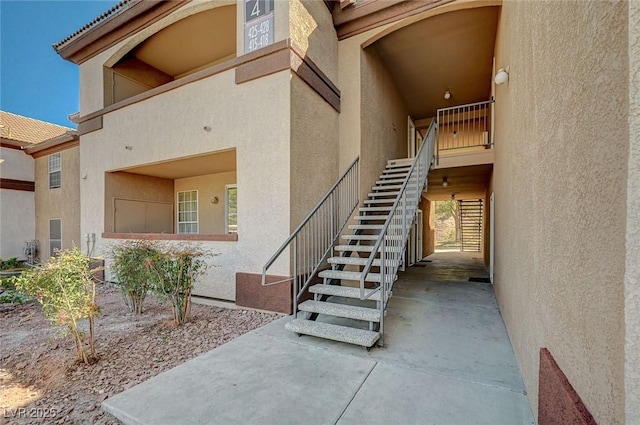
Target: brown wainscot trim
(263, 66)
(171, 237)
(558, 401)
(140, 14)
(250, 292)
(374, 13)
(90, 125)
(24, 185)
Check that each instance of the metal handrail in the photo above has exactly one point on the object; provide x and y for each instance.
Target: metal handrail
(464, 126)
(398, 223)
(314, 238)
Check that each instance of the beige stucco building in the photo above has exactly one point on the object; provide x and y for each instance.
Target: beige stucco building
(189, 131)
(27, 204)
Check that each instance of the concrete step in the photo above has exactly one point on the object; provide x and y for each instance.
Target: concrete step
(354, 336)
(383, 193)
(390, 181)
(341, 310)
(393, 176)
(341, 291)
(400, 162)
(371, 217)
(363, 248)
(375, 209)
(400, 168)
(360, 237)
(358, 261)
(379, 201)
(386, 188)
(365, 226)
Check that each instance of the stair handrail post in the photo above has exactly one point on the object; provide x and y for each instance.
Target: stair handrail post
(316, 235)
(430, 140)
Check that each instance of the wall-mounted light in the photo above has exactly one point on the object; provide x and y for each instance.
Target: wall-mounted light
(129, 147)
(214, 200)
(447, 95)
(1, 160)
(445, 183)
(502, 76)
(206, 128)
(84, 177)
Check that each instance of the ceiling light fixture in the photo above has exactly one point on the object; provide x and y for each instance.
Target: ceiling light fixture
(502, 76)
(447, 95)
(445, 183)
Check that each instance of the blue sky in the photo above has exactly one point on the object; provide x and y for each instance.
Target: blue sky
(34, 80)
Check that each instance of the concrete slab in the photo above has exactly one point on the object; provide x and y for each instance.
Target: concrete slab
(251, 380)
(407, 396)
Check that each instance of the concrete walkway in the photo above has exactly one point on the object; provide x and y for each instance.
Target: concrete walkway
(446, 360)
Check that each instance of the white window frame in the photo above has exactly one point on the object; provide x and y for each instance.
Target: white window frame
(196, 222)
(55, 169)
(226, 208)
(51, 251)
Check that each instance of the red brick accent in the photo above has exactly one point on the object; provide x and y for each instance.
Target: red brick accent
(558, 401)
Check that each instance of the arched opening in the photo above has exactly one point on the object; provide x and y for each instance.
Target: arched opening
(189, 45)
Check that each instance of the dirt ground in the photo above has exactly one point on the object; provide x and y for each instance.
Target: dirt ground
(41, 382)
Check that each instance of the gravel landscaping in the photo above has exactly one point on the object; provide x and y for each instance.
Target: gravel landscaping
(42, 382)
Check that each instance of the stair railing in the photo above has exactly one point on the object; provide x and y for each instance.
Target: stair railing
(393, 237)
(312, 242)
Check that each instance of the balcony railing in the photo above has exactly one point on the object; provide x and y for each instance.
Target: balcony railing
(464, 128)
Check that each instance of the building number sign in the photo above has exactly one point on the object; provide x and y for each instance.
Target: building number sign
(258, 24)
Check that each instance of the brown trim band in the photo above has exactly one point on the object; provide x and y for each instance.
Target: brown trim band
(263, 66)
(97, 39)
(375, 13)
(24, 185)
(304, 69)
(56, 148)
(171, 237)
(90, 125)
(12, 144)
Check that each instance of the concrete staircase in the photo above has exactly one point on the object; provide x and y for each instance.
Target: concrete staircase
(337, 299)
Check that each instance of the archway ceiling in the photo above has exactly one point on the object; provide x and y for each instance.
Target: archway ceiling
(192, 42)
(453, 51)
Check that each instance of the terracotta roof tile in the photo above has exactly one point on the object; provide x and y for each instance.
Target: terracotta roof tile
(28, 130)
(118, 8)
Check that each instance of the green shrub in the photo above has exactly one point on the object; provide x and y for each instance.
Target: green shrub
(11, 263)
(176, 269)
(130, 266)
(64, 287)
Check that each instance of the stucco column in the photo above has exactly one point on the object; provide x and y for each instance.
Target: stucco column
(632, 273)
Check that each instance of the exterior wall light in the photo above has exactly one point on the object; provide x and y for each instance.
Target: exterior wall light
(1, 160)
(502, 77)
(445, 183)
(447, 95)
(206, 128)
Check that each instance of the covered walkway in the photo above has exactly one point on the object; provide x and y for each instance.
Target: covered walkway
(446, 360)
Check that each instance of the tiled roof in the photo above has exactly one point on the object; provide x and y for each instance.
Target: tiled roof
(118, 8)
(28, 130)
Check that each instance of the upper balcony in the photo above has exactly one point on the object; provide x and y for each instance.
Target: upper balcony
(180, 49)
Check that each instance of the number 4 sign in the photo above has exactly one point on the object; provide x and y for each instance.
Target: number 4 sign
(258, 24)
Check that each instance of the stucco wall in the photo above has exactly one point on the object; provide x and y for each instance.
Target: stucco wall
(632, 276)
(59, 203)
(211, 216)
(560, 182)
(311, 30)
(17, 208)
(170, 126)
(17, 165)
(17, 222)
(314, 152)
(383, 121)
(121, 185)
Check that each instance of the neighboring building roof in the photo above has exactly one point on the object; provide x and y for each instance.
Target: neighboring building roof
(118, 8)
(28, 130)
(64, 141)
